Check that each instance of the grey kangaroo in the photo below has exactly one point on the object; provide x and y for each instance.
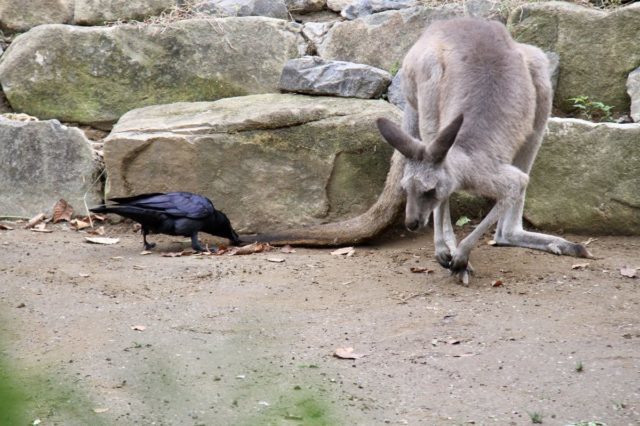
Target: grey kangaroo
(477, 107)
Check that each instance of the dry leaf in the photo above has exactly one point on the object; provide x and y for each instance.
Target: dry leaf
(628, 272)
(348, 251)
(84, 275)
(250, 249)
(275, 259)
(79, 224)
(41, 227)
(497, 283)
(102, 240)
(417, 270)
(171, 254)
(346, 353)
(138, 327)
(100, 410)
(287, 249)
(98, 217)
(97, 231)
(62, 211)
(5, 227)
(580, 265)
(145, 252)
(35, 220)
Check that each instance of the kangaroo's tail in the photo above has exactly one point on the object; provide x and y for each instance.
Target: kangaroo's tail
(351, 231)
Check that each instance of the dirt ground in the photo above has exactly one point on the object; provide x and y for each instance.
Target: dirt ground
(95, 334)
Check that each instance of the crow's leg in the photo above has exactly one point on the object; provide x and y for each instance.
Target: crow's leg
(195, 244)
(147, 245)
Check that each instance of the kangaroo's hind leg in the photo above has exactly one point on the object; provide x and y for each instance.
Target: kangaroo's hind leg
(509, 231)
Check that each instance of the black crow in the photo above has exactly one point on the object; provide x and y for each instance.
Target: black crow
(173, 213)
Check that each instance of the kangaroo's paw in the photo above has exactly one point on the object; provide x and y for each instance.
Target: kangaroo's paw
(569, 249)
(461, 268)
(443, 257)
(463, 275)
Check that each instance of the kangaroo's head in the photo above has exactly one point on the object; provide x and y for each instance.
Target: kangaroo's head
(426, 180)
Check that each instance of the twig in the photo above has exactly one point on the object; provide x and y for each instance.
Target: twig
(34, 221)
(14, 218)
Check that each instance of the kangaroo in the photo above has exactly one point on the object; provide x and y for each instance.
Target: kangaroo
(477, 107)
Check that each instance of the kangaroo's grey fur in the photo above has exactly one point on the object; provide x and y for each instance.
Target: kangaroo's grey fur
(477, 107)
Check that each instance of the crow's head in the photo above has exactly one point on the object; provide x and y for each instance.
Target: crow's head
(221, 226)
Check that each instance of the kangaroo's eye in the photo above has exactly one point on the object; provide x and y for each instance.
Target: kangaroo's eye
(429, 194)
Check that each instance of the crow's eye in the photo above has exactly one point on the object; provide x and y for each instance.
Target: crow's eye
(429, 194)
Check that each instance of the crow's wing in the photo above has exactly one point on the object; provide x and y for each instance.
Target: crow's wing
(177, 204)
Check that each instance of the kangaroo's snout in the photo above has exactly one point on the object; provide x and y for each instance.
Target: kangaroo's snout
(412, 225)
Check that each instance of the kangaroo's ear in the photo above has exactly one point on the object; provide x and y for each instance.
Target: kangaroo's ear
(445, 139)
(408, 146)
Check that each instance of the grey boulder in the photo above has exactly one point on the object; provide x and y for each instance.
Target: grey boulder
(316, 76)
(268, 161)
(41, 162)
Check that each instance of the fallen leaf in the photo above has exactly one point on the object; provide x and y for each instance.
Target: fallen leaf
(34, 221)
(102, 240)
(145, 252)
(497, 283)
(418, 270)
(628, 272)
(100, 410)
(138, 327)
(62, 211)
(79, 224)
(348, 251)
(5, 227)
(41, 227)
(249, 249)
(84, 275)
(97, 217)
(287, 249)
(346, 353)
(275, 259)
(171, 254)
(97, 231)
(580, 265)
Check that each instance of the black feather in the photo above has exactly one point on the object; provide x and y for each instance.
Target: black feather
(172, 213)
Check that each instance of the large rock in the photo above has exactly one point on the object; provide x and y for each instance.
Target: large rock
(586, 179)
(382, 39)
(268, 161)
(597, 49)
(21, 15)
(96, 12)
(338, 5)
(96, 74)
(305, 6)
(633, 89)
(41, 162)
(316, 76)
(360, 8)
(315, 32)
(268, 8)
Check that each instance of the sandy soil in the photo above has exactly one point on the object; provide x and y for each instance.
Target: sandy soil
(242, 340)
